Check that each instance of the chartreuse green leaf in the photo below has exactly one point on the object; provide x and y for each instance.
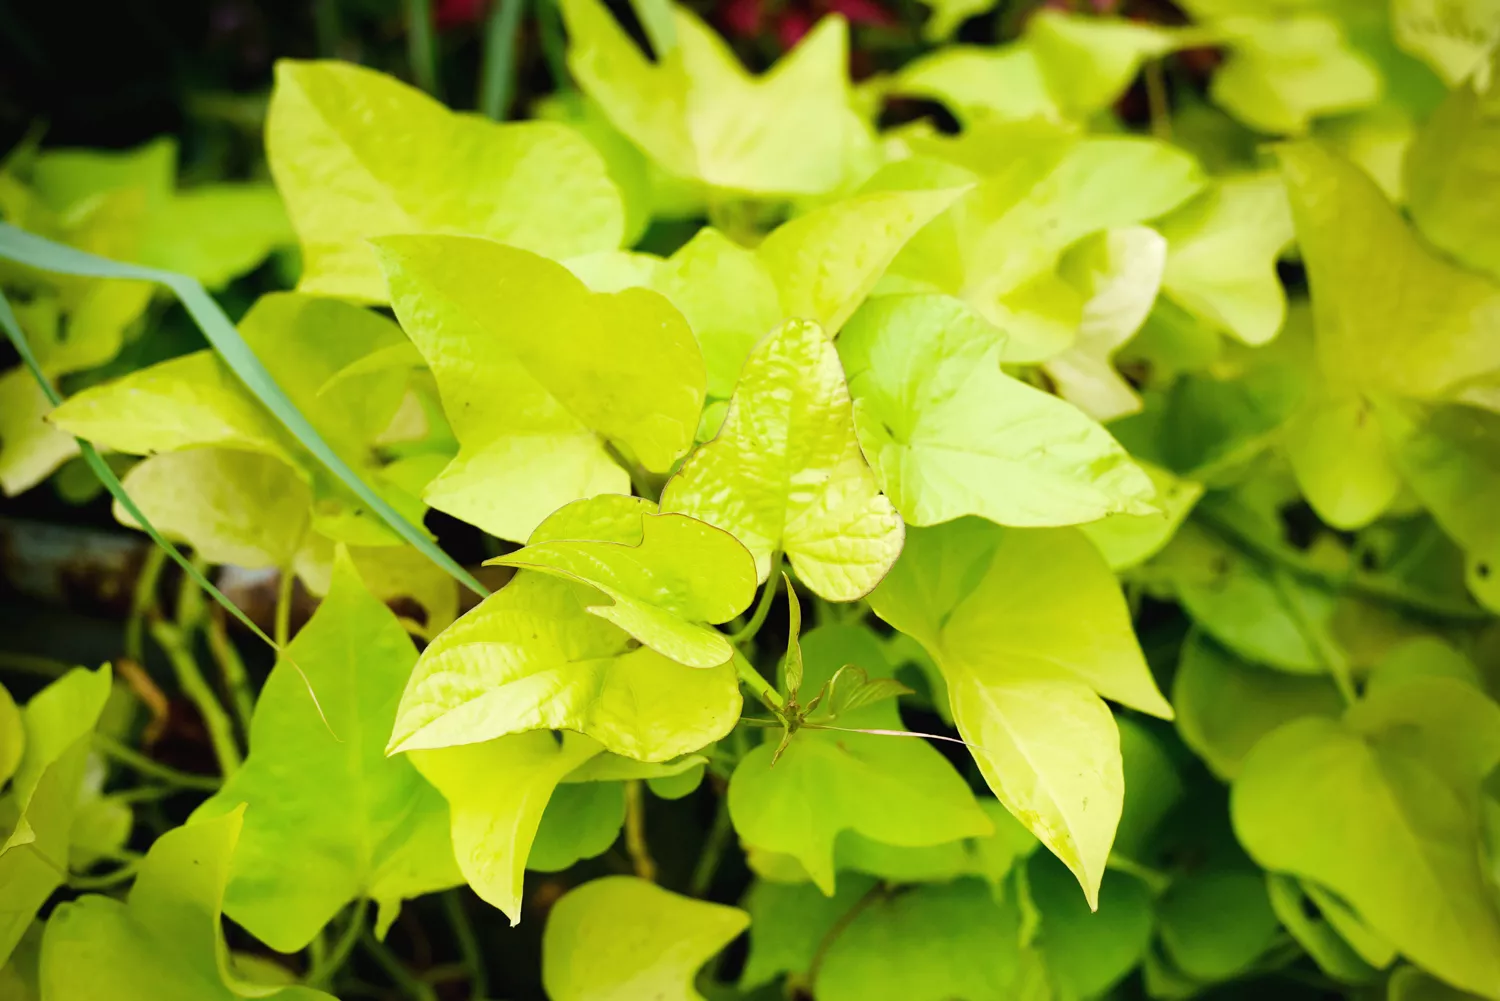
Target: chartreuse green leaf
(1043, 189)
(62, 178)
(1299, 915)
(331, 818)
(1381, 809)
(1215, 923)
(817, 267)
(581, 821)
(164, 943)
(728, 296)
(1287, 67)
(1452, 37)
(12, 736)
(497, 792)
(666, 573)
(895, 790)
(1004, 82)
(532, 657)
(1450, 457)
(1128, 540)
(539, 376)
(59, 722)
(785, 473)
(1222, 249)
(1338, 450)
(216, 232)
(1411, 984)
(788, 921)
(1029, 629)
(622, 939)
(932, 943)
(1450, 167)
(948, 434)
(1088, 62)
(1088, 952)
(187, 402)
(1226, 705)
(30, 447)
(233, 507)
(1119, 272)
(826, 262)
(1392, 315)
(359, 155)
(699, 115)
(1244, 601)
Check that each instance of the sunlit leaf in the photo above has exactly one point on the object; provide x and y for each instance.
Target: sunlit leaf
(666, 574)
(949, 434)
(358, 155)
(497, 792)
(698, 114)
(59, 723)
(330, 818)
(1380, 809)
(164, 941)
(530, 657)
(538, 375)
(785, 473)
(894, 790)
(1030, 629)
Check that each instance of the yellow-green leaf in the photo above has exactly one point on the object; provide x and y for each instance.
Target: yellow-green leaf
(330, 818)
(785, 473)
(359, 155)
(666, 574)
(496, 793)
(625, 939)
(530, 657)
(1029, 629)
(538, 375)
(949, 434)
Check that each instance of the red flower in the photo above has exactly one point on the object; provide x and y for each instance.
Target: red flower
(456, 13)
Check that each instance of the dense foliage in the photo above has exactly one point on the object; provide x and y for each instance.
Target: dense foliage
(980, 543)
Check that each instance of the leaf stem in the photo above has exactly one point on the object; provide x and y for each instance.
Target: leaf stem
(232, 666)
(30, 663)
(635, 830)
(757, 683)
(1157, 99)
(713, 851)
(421, 45)
(132, 758)
(468, 944)
(174, 642)
(142, 601)
(1323, 647)
(838, 928)
(331, 962)
(284, 589)
(497, 80)
(763, 607)
(104, 882)
(554, 45)
(410, 985)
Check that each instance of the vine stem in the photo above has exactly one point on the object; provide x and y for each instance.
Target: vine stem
(174, 642)
(232, 666)
(111, 747)
(1156, 98)
(284, 589)
(763, 607)
(468, 944)
(330, 963)
(713, 851)
(141, 601)
(838, 928)
(410, 985)
(635, 830)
